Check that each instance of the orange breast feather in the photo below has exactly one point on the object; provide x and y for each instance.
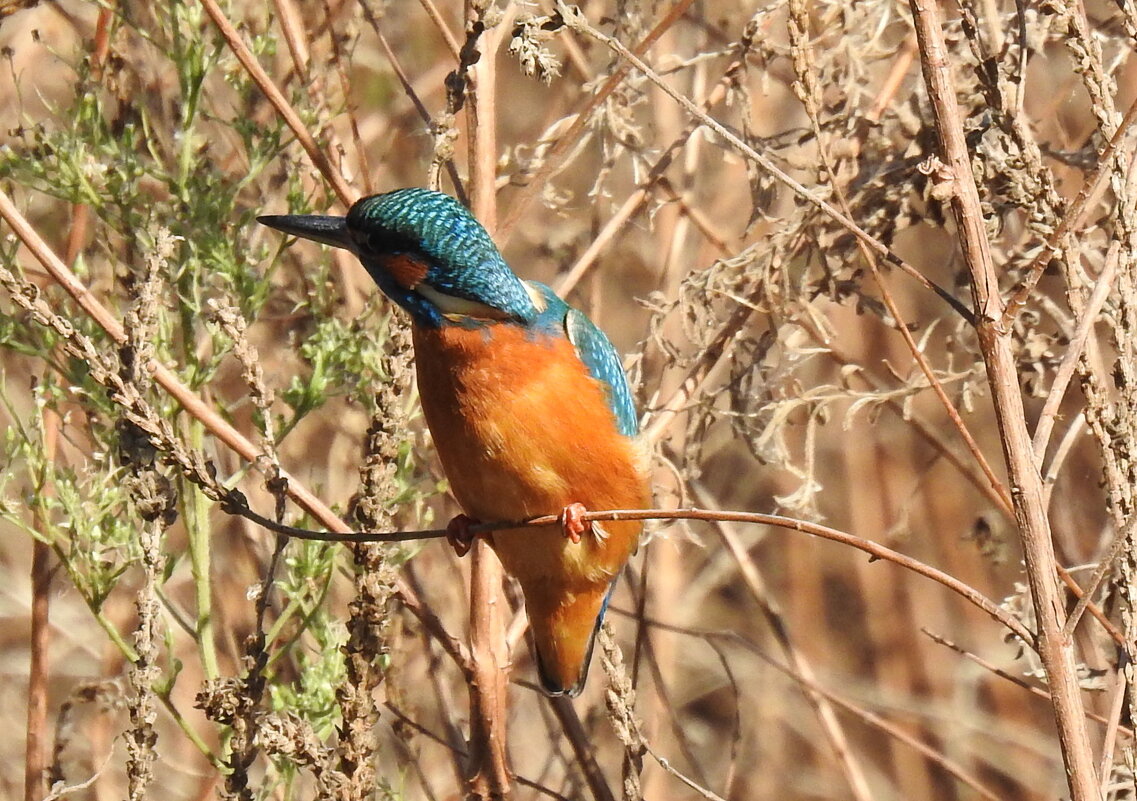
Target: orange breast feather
(523, 429)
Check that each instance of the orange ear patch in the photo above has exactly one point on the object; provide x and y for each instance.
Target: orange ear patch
(407, 271)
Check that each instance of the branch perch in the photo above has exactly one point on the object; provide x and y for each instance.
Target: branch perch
(874, 549)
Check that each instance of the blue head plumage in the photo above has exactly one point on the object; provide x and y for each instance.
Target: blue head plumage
(426, 252)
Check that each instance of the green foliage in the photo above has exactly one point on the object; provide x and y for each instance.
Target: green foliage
(171, 134)
(346, 358)
(85, 515)
(309, 635)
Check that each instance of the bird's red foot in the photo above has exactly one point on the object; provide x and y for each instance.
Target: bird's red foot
(459, 536)
(572, 526)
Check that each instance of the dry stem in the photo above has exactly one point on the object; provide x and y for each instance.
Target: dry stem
(489, 775)
(1055, 649)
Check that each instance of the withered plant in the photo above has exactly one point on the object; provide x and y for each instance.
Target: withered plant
(873, 269)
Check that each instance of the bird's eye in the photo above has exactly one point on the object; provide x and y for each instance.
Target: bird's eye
(382, 241)
(361, 239)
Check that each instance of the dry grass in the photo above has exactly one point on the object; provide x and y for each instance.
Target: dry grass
(766, 207)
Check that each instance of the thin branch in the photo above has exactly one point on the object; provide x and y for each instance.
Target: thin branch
(645, 653)
(871, 718)
(423, 730)
(412, 95)
(564, 144)
(261, 78)
(927, 430)
(875, 550)
(1018, 681)
(1073, 355)
(1120, 538)
(715, 354)
(895, 78)
(665, 763)
(1116, 704)
(638, 199)
(1072, 221)
(581, 745)
(834, 732)
(443, 29)
(1065, 446)
(349, 109)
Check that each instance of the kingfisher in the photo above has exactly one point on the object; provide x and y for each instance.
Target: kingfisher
(526, 400)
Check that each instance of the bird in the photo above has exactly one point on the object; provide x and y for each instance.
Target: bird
(527, 403)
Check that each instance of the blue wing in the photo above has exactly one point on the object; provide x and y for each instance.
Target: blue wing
(602, 361)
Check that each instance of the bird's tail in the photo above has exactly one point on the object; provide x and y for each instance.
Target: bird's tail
(564, 628)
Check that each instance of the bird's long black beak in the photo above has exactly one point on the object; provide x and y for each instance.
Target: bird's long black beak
(317, 227)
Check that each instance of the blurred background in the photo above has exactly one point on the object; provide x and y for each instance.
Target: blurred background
(769, 368)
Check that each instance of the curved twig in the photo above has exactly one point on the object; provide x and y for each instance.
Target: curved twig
(874, 549)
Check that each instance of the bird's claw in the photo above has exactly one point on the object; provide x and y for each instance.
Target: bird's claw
(459, 536)
(572, 526)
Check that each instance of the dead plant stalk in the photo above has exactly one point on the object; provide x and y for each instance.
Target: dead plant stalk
(488, 769)
(1054, 647)
(39, 668)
